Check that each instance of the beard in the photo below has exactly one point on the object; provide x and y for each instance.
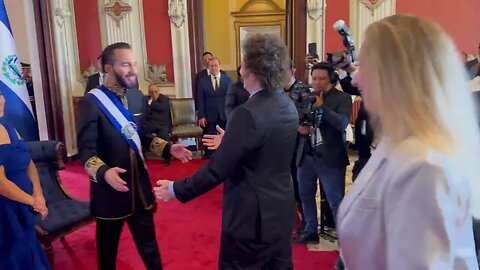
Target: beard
(126, 83)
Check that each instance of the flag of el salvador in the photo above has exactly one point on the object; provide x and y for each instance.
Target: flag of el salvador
(18, 110)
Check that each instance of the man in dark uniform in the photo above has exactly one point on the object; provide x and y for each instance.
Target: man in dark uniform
(109, 141)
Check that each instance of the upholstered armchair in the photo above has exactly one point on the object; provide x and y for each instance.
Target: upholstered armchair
(66, 214)
(184, 120)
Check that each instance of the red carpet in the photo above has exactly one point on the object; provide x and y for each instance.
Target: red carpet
(188, 235)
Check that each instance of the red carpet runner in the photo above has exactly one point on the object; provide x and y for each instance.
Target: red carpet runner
(188, 235)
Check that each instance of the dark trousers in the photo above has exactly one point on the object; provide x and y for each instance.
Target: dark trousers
(211, 129)
(143, 231)
(329, 221)
(293, 169)
(248, 254)
(332, 181)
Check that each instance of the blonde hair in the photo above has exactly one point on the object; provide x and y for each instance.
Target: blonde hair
(419, 88)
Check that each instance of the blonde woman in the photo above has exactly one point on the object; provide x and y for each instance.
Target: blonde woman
(411, 206)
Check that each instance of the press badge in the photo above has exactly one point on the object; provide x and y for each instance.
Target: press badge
(317, 138)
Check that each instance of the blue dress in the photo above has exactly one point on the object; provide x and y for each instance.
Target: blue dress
(19, 245)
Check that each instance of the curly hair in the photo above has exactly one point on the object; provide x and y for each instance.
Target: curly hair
(266, 57)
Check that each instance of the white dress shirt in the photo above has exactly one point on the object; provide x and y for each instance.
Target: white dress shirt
(212, 77)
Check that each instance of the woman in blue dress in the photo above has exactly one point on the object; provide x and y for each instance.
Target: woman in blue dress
(20, 197)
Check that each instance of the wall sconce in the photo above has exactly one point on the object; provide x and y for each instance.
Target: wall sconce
(177, 12)
(315, 9)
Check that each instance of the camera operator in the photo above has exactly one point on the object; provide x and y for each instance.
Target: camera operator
(322, 151)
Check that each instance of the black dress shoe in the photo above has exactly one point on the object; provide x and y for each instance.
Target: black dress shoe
(307, 238)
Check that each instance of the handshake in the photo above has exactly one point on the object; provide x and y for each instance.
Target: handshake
(164, 190)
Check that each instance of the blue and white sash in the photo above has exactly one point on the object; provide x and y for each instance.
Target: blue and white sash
(119, 116)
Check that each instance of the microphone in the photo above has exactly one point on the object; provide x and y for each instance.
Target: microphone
(341, 27)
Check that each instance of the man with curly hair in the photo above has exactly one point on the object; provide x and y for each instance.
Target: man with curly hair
(253, 162)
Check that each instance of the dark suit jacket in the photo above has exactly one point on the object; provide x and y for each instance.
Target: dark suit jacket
(93, 82)
(236, 95)
(159, 115)
(211, 103)
(202, 73)
(253, 161)
(98, 137)
(337, 108)
(363, 128)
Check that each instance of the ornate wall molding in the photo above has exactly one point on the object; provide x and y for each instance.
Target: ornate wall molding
(177, 11)
(365, 12)
(67, 64)
(181, 56)
(372, 4)
(157, 73)
(316, 9)
(61, 13)
(181, 60)
(117, 9)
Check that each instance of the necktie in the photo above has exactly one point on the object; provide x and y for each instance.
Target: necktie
(216, 83)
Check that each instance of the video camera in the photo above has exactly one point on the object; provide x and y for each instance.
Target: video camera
(340, 58)
(304, 100)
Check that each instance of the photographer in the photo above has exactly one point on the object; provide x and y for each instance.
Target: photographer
(322, 151)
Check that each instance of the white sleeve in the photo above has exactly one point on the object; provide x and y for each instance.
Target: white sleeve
(420, 211)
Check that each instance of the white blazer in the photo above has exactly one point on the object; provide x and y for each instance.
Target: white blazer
(408, 210)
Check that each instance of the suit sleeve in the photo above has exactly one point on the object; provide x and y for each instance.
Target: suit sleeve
(340, 117)
(348, 87)
(201, 99)
(423, 197)
(230, 100)
(239, 139)
(87, 137)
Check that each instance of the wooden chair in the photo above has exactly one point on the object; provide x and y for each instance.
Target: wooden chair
(66, 214)
(184, 120)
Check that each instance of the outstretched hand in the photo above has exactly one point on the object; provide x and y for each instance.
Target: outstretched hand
(162, 192)
(180, 151)
(213, 141)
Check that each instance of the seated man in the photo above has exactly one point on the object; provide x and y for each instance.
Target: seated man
(159, 118)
